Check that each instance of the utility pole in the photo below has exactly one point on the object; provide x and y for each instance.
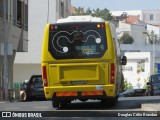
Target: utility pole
(5, 41)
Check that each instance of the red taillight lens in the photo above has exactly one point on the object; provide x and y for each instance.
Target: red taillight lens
(52, 27)
(102, 25)
(112, 79)
(44, 74)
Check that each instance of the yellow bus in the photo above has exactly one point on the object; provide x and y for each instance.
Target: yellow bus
(81, 60)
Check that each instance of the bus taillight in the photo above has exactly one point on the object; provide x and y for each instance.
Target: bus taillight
(100, 25)
(112, 79)
(44, 74)
(52, 27)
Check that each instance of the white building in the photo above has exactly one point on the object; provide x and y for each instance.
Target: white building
(147, 16)
(155, 29)
(135, 30)
(40, 13)
(137, 70)
(147, 55)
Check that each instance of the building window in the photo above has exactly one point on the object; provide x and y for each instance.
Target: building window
(19, 13)
(26, 17)
(1, 8)
(151, 16)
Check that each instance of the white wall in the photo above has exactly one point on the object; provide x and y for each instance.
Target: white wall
(24, 71)
(130, 72)
(156, 16)
(155, 29)
(137, 33)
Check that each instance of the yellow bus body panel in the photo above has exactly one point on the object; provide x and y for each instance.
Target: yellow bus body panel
(96, 72)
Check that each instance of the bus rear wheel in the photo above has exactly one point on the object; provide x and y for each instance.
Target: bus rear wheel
(60, 103)
(63, 104)
(110, 101)
(113, 101)
(55, 104)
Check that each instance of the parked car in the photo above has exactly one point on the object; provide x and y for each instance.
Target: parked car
(24, 85)
(34, 89)
(154, 84)
(133, 93)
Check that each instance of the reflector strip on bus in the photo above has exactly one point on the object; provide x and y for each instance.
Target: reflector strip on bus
(90, 93)
(66, 94)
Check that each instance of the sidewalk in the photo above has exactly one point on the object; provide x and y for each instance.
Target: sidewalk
(1, 101)
(150, 106)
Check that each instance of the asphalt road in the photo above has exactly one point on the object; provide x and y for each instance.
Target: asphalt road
(126, 103)
(81, 109)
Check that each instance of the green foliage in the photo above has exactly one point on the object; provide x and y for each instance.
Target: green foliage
(105, 13)
(122, 87)
(79, 11)
(127, 85)
(126, 39)
(88, 11)
(145, 82)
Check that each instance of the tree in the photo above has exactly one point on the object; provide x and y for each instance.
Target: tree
(122, 87)
(79, 11)
(153, 37)
(88, 11)
(126, 39)
(105, 13)
(127, 85)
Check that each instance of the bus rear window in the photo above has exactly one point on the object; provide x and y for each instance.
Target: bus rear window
(77, 40)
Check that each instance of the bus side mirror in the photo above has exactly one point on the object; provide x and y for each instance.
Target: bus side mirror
(124, 60)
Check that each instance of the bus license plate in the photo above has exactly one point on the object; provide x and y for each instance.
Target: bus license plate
(78, 82)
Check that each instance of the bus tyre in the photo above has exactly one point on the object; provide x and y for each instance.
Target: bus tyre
(104, 102)
(55, 104)
(112, 102)
(63, 104)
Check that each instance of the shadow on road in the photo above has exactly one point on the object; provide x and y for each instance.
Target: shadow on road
(122, 104)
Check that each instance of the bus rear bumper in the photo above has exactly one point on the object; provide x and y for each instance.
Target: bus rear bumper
(78, 92)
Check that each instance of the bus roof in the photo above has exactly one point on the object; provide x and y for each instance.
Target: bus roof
(80, 19)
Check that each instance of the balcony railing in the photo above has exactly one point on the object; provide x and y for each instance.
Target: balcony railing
(19, 24)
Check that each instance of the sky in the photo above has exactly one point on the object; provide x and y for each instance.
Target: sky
(114, 5)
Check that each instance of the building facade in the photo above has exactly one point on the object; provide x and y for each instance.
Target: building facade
(142, 61)
(138, 66)
(14, 35)
(46, 11)
(135, 30)
(147, 16)
(143, 55)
